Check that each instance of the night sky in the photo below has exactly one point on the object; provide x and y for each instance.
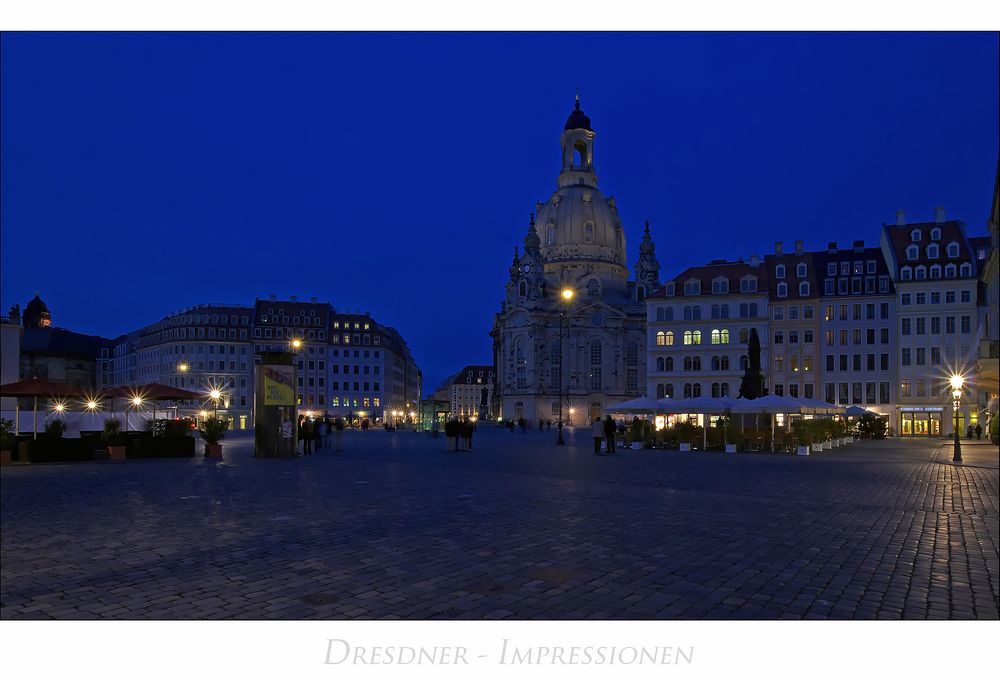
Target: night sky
(394, 173)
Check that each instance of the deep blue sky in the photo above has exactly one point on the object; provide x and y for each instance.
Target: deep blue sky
(394, 173)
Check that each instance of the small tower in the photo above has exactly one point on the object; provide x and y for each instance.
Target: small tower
(577, 150)
(532, 265)
(36, 314)
(647, 269)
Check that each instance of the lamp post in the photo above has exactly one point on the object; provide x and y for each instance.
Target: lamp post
(957, 381)
(565, 296)
(215, 394)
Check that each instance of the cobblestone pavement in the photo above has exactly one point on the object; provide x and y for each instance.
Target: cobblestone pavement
(396, 527)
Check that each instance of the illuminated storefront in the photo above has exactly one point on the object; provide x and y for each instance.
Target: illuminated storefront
(924, 420)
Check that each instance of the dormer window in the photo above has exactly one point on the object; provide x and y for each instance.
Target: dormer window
(803, 288)
(779, 271)
(932, 251)
(935, 271)
(831, 269)
(782, 288)
(720, 286)
(920, 272)
(953, 250)
(906, 272)
(748, 284)
(936, 233)
(966, 270)
(950, 271)
(692, 288)
(915, 236)
(670, 289)
(800, 270)
(912, 252)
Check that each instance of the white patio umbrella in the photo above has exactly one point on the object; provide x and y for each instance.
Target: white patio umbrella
(821, 407)
(702, 405)
(642, 405)
(856, 411)
(771, 404)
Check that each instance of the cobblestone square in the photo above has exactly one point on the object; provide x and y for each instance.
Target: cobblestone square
(397, 527)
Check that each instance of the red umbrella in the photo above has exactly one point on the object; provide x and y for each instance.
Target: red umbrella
(38, 388)
(152, 392)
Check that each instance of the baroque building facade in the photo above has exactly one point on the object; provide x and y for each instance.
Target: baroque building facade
(587, 351)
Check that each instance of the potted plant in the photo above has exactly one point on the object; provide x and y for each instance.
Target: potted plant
(802, 431)
(733, 433)
(213, 430)
(7, 440)
(685, 435)
(113, 439)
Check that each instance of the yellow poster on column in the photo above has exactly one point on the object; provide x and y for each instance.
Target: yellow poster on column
(278, 388)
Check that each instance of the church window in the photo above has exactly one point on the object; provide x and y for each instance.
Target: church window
(593, 288)
(588, 232)
(632, 354)
(522, 288)
(595, 365)
(520, 364)
(550, 235)
(597, 319)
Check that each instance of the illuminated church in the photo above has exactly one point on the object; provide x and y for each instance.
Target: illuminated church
(572, 323)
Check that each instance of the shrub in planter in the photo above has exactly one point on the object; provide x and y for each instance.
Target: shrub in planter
(113, 439)
(687, 433)
(7, 440)
(212, 431)
(872, 426)
(55, 428)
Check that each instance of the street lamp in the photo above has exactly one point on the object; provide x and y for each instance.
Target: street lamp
(566, 295)
(957, 381)
(216, 395)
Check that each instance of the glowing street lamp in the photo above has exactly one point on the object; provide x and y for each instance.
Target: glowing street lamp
(296, 343)
(957, 381)
(567, 296)
(183, 367)
(216, 395)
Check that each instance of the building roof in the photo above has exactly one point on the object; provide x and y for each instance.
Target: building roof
(791, 261)
(577, 119)
(59, 342)
(900, 237)
(857, 253)
(732, 272)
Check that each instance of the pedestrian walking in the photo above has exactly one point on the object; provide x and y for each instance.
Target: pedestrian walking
(308, 433)
(609, 432)
(321, 433)
(979, 431)
(968, 432)
(597, 430)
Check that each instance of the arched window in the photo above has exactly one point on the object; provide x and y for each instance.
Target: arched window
(936, 233)
(596, 362)
(782, 290)
(696, 363)
(950, 271)
(640, 293)
(661, 339)
(668, 314)
(715, 389)
(915, 235)
(522, 288)
(659, 391)
(715, 363)
(687, 313)
(715, 311)
(724, 336)
(632, 354)
(779, 271)
(520, 364)
(696, 336)
(932, 251)
(744, 363)
(688, 338)
(803, 288)
(669, 339)
(696, 390)
(935, 271)
(965, 270)
(668, 390)
(800, 270)
(725, 390)
(696, 310)
(588, 232)
(920, 272)
(906, 272)
(716, 337)
(550, 235)
(687, 390)
(724, 313)
(744, 310)
(593, 288)
(660, 365)
(668, 366)
(724, 362)
(953, 250)
(687, 363)
(912, 252)
(753, 310)
(659, 314)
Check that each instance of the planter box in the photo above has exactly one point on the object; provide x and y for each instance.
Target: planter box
(45, 450)
(730, 447)
(116, 451)
(802, 450)
(828, 445)
(817, 447)
(685, 447)
(5, 457)
(213, 450)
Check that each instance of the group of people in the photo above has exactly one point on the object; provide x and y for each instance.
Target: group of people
(604, 431)
(976, 431)
(314, 433)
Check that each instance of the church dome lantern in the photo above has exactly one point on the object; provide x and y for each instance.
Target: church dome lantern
(36, 314)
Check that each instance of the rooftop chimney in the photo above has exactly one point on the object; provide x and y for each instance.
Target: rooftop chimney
(798, 247)
(859, 245)
(754, 260)
(900, 217)
(831, 247)
(939, 214)
(777, 248)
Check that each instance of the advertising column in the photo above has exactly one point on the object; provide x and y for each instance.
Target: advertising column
(276, 425)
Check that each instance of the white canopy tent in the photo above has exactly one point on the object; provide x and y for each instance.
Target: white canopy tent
(641, 405)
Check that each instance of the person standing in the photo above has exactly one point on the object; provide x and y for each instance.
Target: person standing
(597, 431)
(979, 431)
(308, 429)
(609, 432)
(321, 434)
(338, 433)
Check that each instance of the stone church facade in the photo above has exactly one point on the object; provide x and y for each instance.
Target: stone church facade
(589, 348)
